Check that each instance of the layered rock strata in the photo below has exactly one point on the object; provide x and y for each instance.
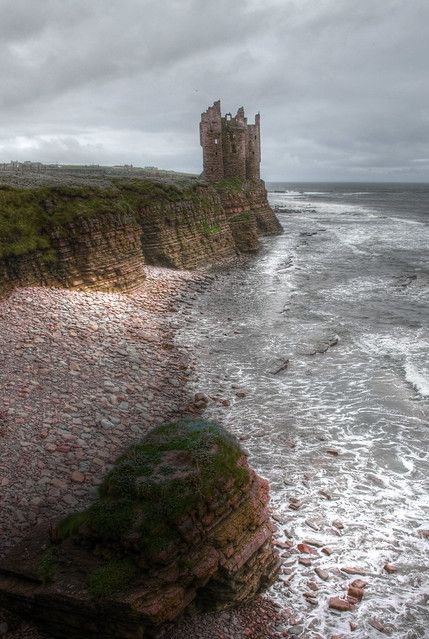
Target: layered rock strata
(101, 253)
(207, 225)
(179, 524)
(251, 197)
(188, 233)
(109, 234)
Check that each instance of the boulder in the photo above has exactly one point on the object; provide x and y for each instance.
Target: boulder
(179, 524)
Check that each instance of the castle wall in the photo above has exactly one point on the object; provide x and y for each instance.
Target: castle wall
(231, 146)
(234, 133)
(211, 142)
(253, 150)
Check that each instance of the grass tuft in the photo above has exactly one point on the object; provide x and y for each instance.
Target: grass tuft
(111, 577)
(47, 565)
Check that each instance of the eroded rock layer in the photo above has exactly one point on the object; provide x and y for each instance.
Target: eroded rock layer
(188, 233)
(179, 524)
(250, 201)
(100, 253)
(98, 239)
(207, 225)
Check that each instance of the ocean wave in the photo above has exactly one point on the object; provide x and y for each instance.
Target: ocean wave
(275, 192)
(316, 192)
(419, 380)
(397, 218)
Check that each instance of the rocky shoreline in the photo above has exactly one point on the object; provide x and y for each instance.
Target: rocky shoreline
(79, 371)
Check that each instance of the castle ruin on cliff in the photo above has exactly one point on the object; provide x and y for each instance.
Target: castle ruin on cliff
(231, 146)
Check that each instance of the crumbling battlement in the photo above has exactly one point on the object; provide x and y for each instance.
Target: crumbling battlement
(231, 146)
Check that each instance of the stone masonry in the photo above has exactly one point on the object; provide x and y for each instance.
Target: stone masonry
(231, 146)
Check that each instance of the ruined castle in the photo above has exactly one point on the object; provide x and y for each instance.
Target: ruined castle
(231, 147)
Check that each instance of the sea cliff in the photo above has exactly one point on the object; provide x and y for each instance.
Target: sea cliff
(99, 238)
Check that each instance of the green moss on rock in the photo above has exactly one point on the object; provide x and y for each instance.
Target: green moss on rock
(47, 565)
(156, 484)
(210, 229)
(231, 185)
(111, 577)
(28, 216)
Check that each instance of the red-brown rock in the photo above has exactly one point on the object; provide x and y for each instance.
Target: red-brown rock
(390, 568)
(354, 570)
(339, 604)
(119, 572)
(356, 593)
(77, 477)
(359, 583)
(304, 561)
(306, 549)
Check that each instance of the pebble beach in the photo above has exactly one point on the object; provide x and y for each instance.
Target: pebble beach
(83, 375)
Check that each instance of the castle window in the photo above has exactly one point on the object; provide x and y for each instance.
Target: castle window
(234, 148)
(216, 140)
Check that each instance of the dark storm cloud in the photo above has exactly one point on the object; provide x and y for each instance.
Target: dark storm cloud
(342, 86)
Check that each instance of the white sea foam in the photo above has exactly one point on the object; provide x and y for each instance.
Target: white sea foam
(418, 379)
(316, 192)
(408, 221)
(355, 397)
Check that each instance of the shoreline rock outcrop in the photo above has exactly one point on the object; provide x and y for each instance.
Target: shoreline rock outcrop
(92, 238)
(179, 524)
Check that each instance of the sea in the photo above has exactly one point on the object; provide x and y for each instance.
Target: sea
(327, 332)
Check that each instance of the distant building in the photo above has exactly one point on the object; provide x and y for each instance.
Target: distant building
(231, 147)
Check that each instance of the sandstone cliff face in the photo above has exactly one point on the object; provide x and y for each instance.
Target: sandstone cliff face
(180, 523)
(210, 225)
(251, 197)
(187, 233)
(100, 253)
(178, 228)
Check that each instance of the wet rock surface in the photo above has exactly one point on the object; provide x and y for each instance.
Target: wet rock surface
(180, 523)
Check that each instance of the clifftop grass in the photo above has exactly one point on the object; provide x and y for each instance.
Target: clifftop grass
(28, 217)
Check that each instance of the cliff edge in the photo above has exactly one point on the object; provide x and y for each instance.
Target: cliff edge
(92, 237)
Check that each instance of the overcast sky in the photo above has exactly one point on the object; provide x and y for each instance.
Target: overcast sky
(342, 85)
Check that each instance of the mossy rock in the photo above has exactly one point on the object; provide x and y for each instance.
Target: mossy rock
(174, 474)
(230, 185)
(112, 576)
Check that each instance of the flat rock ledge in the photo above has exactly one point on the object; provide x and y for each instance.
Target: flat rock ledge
(180, 524)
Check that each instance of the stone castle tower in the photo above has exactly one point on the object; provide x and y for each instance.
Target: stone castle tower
(231, 147)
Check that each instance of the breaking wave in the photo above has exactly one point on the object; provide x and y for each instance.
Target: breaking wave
(418, 380)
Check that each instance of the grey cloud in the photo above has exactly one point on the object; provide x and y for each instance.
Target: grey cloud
(341, 85)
